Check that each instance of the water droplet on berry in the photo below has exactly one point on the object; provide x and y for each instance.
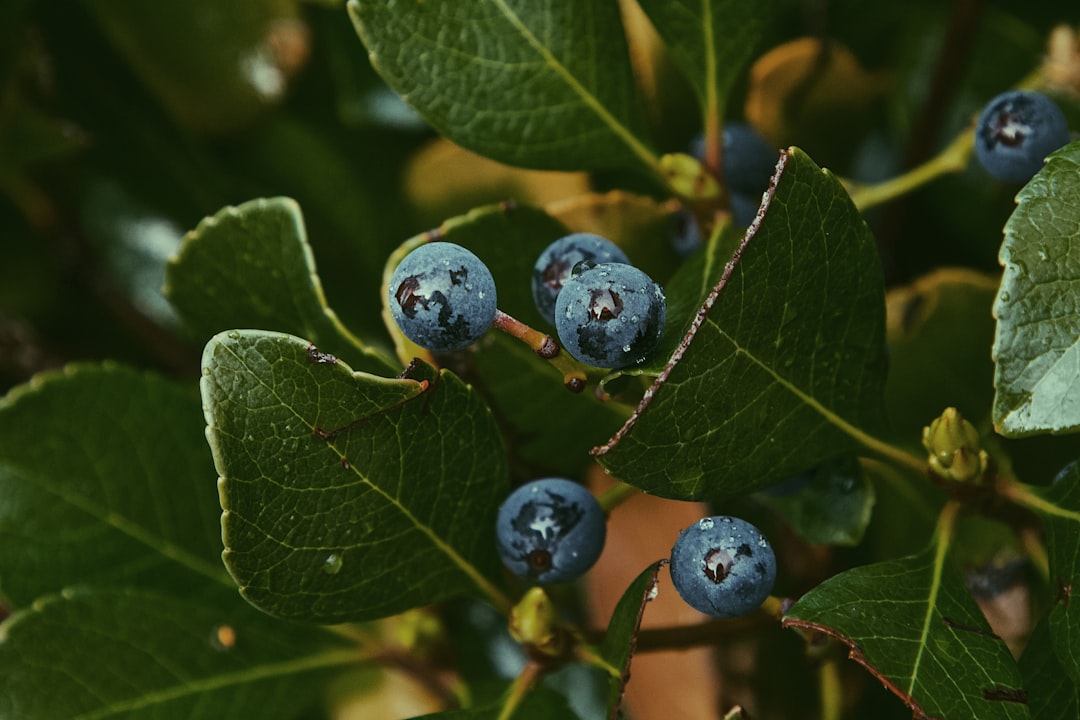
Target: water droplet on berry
(332, 564)
(705, 524)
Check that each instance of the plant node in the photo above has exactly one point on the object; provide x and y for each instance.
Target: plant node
(955, 454)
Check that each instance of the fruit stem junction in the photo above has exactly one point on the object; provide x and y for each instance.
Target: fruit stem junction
(953, 158)
(573, 372)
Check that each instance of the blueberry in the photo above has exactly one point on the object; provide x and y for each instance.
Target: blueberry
(552, 268)
(1016, 131)
(749, 160)
(550, 530)
(610, 315)
(723, 566)
(442, 296)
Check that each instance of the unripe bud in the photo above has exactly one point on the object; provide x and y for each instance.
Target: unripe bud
(955, 452)
(533, 623)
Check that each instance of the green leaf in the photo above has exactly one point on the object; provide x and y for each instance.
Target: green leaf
(1059, 508)
(546, 85)
(912, 624)
(1052, 693)
(1037, 345)
(105, 479)
(784, 364)
(250, 266)
(621, 636)
(393, 511)
(834, 509)
(711, 41)
(92, 654)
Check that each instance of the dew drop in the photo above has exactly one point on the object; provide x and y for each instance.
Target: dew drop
(206, 371)
(1043, 254)
(626, 347)
(480, 294)
(234, 335)
(1005, 296)
(332, 564)
(762, 542)
(705, 524)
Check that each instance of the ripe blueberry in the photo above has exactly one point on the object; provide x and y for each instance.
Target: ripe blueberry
(553, 267)
(610, 315)
(442, 296)
(723, 566)
(1016, 131)
(550, 530)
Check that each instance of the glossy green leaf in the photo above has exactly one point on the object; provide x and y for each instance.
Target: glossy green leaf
(250, 266)
(92, 654)
(539, 84)
(834, 509)
(912, 624)
(1059, 508)
(393, 509)
(105, 479)
(784, 363)
(621, 636)
(711, 41)
(1037, 345)
(1051, 693)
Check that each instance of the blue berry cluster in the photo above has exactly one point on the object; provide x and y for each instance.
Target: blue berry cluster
(550, 530)
(606, 312)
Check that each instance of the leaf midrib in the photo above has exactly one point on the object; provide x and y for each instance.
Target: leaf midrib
(493, 593)
(218, 682)
(133, 530)
(590, 100)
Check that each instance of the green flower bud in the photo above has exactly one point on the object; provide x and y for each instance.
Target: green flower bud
(533, 623)
(954, 448)
(688, 178)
